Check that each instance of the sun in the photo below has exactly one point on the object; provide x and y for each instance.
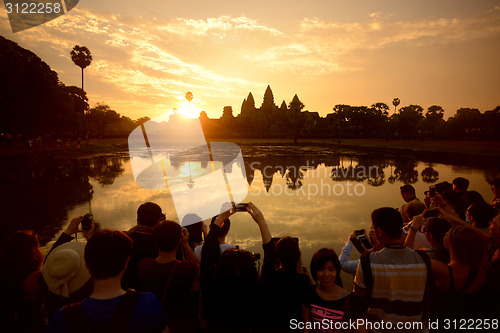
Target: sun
(188, 112)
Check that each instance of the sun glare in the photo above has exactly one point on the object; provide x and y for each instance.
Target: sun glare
(188, 112)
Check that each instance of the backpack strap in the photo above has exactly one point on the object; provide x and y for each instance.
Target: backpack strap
(347, 307)
(428, 283)
(77, 319)
(367, 273)
(120, 322)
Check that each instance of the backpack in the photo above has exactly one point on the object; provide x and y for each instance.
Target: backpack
(119, 323)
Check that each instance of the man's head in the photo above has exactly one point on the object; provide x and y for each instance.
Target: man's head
(149, 214)
(388, 224)
(107, 253)
(413, 208)
(460, 184)
(167, 235)
(480, 214)
(435, 229)
(407, 192)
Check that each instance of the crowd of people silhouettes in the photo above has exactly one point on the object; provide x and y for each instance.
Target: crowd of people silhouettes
(431, 261)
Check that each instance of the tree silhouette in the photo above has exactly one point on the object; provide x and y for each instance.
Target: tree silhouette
(81, 57)
(395, 102)
(429, 175)
(101, 116)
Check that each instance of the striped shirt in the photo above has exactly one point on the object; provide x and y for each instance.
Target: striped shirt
(399, 277)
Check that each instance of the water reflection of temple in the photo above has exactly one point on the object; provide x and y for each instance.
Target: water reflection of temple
(273, 162)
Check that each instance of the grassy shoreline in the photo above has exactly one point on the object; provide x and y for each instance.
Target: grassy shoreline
(456, 148)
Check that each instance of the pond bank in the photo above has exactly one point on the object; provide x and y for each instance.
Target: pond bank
(482, 151)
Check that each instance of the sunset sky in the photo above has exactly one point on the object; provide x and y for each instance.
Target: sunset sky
(148, 54)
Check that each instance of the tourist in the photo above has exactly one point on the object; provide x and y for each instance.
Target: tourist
(327, 300)
(63, 260)
(149, 214)
(284, 283)
(460, 281)
(229, 280)
(450, 202)
(408, 195)
(109, 307)
(393, 279)
(480, 214)
(434, 230)
(197, 229)
(471, 197)
(174, 282)
(350, 266)
(20, 268)
(221, 237)
(491, 295)
(460, 185)
(495, 187)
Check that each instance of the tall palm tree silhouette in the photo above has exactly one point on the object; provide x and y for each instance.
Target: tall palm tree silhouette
(81, 57)
(395, 102)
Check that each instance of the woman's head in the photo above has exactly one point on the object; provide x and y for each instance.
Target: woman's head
(237, 266)
(288, 253)
(21, 253)
(465, 245)
(224, 229)
(325, 267)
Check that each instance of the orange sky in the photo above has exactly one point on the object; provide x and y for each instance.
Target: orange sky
(148, 54)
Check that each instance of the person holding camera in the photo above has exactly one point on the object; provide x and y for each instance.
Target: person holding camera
(230, 278)
(393, 280)
(110, 308)
(284, 284)
(363, 244)
(434, 229)
(57, 267)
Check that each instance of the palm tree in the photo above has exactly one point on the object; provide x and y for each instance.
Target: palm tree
(395, 102)
(81, 57)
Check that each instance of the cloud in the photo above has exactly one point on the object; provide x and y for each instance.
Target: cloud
(149, 64)
(219, 26)
(147, 61)
(383, 31)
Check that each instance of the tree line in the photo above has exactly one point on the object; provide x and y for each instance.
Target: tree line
(346, 121)
(33, 102)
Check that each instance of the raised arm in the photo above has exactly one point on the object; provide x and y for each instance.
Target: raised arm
(347, 265)
(258, 217)
(416, 224)
(188, 252)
